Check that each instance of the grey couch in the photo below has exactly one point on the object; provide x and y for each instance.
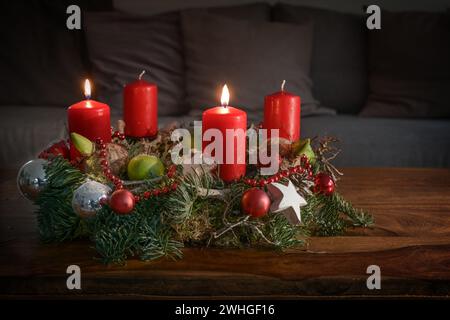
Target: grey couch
(25, 130)
(390, 142)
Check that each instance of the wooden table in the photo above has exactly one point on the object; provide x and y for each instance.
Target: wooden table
(410, 242)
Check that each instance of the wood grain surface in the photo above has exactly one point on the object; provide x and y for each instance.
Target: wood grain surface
(410, 242)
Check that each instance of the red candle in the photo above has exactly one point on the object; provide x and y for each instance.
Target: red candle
(140, 108)
(89, 118)
(282, 111)
(222, 118)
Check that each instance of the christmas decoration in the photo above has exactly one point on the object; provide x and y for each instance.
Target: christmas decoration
(140, 108)
(59, 148)
(122, 201)
(89, 118)
(287, 201)
(31, 178)
(198, 168)
(223, 118)
(117, 158)
(303, 147)
(145, 166)
(324, 184)
(185, 205)
(284, 146)
(325, 153)
(89, 197)
(84, 146)
(255, 202)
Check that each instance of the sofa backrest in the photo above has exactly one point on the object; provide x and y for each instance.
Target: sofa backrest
(48, 64)
(348, 6)
(338, 64)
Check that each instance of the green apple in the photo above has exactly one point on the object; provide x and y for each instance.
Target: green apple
(82, 144)
(304, 147)
(145, 166)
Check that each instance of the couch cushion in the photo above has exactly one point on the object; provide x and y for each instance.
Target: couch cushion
(251, 57)
(385, 142)
(251, 12)
(410, 66)
(120, 46)
(338, 66)
(26, 130)
(41, 60)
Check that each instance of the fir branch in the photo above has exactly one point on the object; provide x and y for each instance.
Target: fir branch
(179, 205)
(114, 236)
(142, 233)
(156, 240)
(56, 219)
(331, 215)
(357, 217)
(283, 234)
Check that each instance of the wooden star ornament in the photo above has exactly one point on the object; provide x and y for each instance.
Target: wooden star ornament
(287, 201)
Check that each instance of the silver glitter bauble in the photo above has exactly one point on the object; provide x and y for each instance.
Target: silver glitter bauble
(31, 178)
(87, 198)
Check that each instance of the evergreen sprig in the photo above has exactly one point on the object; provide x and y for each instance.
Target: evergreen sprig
(332, 215)
(56, 219)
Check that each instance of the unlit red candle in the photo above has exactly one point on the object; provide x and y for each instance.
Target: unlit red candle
(140, 109)
(282, 111)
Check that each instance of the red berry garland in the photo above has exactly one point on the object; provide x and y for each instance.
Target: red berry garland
(300, 169)
(105, 165)
(118, 134)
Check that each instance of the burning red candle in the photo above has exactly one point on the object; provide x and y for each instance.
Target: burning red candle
(89, 118)
(222, 118)
(140, 108)
(282, 111)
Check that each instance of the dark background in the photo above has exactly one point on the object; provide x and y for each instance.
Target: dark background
(138, 6)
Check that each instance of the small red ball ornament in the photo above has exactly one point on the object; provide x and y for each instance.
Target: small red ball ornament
(255, 202)
(324, 184)
(56, 149)
(122, 201)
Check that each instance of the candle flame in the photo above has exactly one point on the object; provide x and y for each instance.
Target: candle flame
(87, 89)
(225, 98)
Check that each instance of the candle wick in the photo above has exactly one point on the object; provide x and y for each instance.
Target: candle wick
(283, 84)
(141, 75)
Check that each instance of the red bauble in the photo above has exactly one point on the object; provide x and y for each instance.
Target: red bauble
(255, 202)
(324, 184)
(57, 149)
(122, 201)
